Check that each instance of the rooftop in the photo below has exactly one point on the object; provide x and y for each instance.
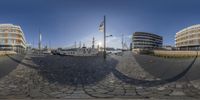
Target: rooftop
(190, 27)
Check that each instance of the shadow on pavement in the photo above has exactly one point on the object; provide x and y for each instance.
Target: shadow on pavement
(19, 61)
(147, 83)
(74, 70)
(88, 70)
(7, 65)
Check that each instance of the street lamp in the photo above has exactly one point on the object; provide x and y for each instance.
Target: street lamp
(109, 36)
(104, 46)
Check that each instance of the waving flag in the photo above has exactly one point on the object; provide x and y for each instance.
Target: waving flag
(101, 27)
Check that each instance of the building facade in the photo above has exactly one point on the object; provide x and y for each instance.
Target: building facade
(144, 40)
(12, 38)
(188, 38)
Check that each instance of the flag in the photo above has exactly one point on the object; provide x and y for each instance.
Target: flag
(101, 27)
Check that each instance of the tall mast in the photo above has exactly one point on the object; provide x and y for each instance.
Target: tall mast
(122, 41)
(104, 50)
(75, 44)
(80, 45)
(40, 40)
(93, 42)
(49, 44)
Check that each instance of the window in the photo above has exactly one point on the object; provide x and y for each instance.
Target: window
(2, 41)
(1, 35)
(10, 41)
(9, 34)
(14, 41)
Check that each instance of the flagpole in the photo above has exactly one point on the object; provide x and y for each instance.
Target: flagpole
(104, 50)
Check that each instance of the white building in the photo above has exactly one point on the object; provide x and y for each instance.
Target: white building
(12, 38)
(188, 38)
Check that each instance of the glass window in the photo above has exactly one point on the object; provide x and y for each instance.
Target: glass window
(2, 41)
(1, 35)
(9, 34)
(10, 41)
(14, 41)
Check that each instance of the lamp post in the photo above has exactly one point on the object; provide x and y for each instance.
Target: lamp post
(105, 36)
(104, 49)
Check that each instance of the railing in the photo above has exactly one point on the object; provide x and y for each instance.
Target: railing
(168, 54)
(7, 53)
(176, 53)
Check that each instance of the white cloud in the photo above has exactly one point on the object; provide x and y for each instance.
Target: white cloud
(116, 41)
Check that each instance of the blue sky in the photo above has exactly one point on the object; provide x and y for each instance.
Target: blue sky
(62, 22)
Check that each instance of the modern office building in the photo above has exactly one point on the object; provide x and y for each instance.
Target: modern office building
(188, 38)
(12, 38)
(144, 40)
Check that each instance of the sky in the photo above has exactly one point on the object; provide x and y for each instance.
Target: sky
(62, 22)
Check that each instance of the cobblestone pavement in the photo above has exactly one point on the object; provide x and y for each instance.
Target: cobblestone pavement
(120, 76)
(7, 65)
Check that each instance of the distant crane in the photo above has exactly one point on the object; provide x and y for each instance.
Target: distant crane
(75, 44)
(80, 45)
(93, 42)
(83, 44)
(122, 41)
(40, 41)
(124, 45)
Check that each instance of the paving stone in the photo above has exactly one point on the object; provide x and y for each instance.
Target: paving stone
(12, 86)
(161, 88)
(177, 93)
(24, 80)
(35, 93)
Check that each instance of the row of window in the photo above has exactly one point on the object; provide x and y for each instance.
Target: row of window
(71, 53)
(157, 45)
(189, 42)
(141, 41)
(9, 41)
(9, 30)
(147, 36)
(188, 32)
(9, 35)
(188, 37)
(147, 43)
